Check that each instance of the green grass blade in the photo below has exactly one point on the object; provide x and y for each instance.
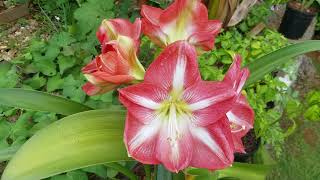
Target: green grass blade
(77, 141)
(39, 101)
(274, 60)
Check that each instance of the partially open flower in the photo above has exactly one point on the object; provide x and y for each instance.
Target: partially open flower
(182, 20)
(111, 69)
(112, 29)
(174, 117)
(118, 63)
(241, 116)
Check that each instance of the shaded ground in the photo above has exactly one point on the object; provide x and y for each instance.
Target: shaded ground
(301, 157)
(300, 160)
(16, 36)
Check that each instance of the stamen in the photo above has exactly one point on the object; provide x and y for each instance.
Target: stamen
(233, 126)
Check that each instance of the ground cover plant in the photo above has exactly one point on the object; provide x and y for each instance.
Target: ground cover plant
(96, 136)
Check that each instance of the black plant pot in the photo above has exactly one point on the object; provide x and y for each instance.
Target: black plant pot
(251, 144)
(294, 22)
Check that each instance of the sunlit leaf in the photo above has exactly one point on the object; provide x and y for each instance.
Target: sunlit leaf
(273, 61)
(39, 101)
(239, 171)
(77, 141)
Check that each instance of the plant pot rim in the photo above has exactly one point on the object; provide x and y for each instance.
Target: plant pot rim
(295, 5)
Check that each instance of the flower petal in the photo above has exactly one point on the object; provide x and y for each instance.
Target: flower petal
(236, 76)
(154, 33)
(213, 146)
(238, 145)
(178, 21)
(141, 100)
(209, 101)
(241, 118)
(126, 51)
(105, 78)
(175, 143)
(141, 139)
(150, 25)
(241, 113)
(151, 14)
(203, 38)
(113, 63)
(175, 67)
(108, 68)
(91, 89)
(101, 34)
(116, 27)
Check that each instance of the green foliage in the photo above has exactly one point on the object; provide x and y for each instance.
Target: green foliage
(214, 64)
(312, 112)
(265, 97)
(60, 145)
(127, 9)
(236, 171)
(9, 76)
(91, 13)
(54, 66)
(309, 108)
(60, 12)
(259, 13)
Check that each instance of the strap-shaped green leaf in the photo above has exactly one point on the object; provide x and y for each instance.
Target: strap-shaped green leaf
(39, 101)
(274, 60)
(244, 171)
(77, 141)
(241, 171)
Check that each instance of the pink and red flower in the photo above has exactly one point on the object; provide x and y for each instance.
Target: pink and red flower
(174, 117)
(112, 29)
(182, 20)
(118, 63)
(241, 115)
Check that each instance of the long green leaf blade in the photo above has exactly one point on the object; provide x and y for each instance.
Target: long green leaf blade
(244, 171)
(77, 141)
(39, 101)
(274, 60)
(240, 171)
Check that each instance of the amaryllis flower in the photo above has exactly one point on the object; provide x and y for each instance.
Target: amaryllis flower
(182, 20)
(174, 117)
(112, 29)
(111, 69)
(241, 115)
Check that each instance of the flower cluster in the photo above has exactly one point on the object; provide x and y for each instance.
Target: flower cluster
(174, 117)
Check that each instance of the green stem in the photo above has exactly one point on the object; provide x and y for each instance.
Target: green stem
(123, 170)
(147, 169)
